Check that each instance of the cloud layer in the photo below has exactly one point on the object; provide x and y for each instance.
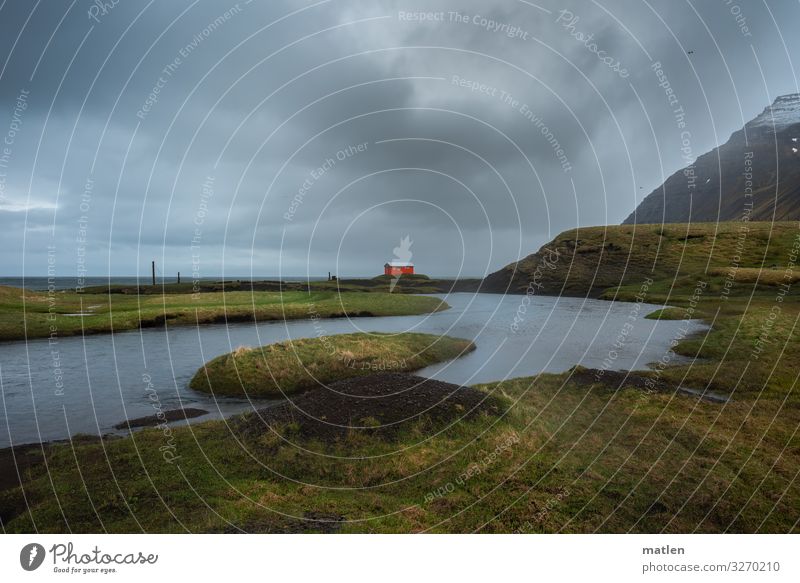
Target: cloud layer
(301, 138)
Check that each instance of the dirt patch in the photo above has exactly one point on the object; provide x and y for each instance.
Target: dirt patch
(165, 416)
(380, 405)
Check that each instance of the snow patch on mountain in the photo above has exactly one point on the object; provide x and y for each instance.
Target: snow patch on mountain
(781, 114)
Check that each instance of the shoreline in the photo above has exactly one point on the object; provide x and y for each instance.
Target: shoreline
(165, 320)
(30, 315)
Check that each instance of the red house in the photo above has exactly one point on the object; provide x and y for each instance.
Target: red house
(398, 268)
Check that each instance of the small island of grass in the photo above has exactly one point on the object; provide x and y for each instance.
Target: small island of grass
(288, 367)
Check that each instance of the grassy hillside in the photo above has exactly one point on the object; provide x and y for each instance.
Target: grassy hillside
(288, 367)
(590, 261)
(38, 314)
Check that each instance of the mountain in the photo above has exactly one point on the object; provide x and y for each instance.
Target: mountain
(595, 261)
(755, 175)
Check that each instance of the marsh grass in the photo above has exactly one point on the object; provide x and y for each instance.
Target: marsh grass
(28, 314)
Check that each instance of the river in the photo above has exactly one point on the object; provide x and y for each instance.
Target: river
(108, 378)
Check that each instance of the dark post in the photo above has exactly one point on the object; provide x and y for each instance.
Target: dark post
(153, 264)
(179, 277)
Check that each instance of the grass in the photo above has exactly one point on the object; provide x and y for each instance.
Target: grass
(568, 456)
(29, 314)
(668, 313)
(593, 260)
(288, 367)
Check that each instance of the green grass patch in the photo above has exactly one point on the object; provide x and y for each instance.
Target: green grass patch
(668, 313)
(288, 367)
(29, 314)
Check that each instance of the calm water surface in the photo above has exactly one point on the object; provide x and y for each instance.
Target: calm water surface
(105, 377)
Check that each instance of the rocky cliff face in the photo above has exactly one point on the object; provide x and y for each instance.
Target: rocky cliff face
(755, 175)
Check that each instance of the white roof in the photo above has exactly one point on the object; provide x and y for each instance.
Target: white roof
(400, 264)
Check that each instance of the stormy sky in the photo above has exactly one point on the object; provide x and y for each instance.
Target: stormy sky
(276, 137)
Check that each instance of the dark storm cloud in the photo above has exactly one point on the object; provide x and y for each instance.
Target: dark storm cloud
(310, 137)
